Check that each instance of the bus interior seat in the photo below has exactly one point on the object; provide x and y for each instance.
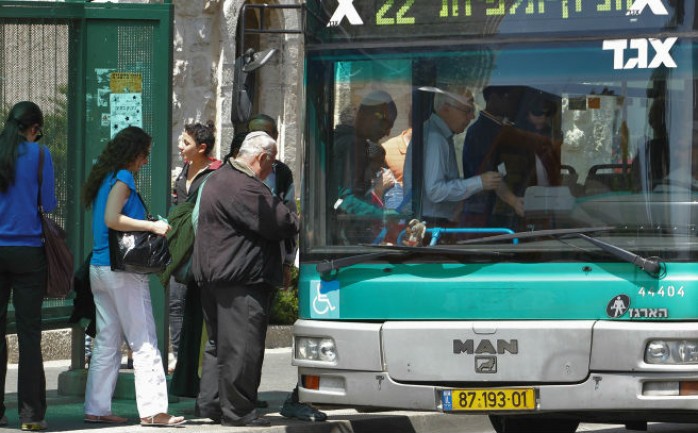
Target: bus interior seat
(569, 178)
(638, 211)
(607, 178)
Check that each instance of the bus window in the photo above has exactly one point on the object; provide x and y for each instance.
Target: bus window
(575, 143)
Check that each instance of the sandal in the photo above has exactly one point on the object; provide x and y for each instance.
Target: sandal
(105, 419)
(34, 426)
(162, 420)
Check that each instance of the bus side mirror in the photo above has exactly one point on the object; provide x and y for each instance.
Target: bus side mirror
(243, 83)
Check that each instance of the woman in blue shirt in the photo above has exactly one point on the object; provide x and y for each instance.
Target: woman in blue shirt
(22, 256)
(122, 299)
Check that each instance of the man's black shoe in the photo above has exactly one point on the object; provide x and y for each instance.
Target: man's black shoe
(301, 411)
(197, 413)
(255, 422)
(261, 404)
(258, 422)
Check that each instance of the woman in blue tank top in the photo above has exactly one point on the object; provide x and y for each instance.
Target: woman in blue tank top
(122, 299)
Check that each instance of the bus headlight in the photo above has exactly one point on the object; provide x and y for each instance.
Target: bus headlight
(316, 349)
(327, 350)
(688, 351)
(657, 352)
(672, 352)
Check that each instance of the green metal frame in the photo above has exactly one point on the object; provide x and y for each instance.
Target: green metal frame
(88, 24)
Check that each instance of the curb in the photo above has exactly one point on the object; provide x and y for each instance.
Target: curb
(67, 417)
(56, 344)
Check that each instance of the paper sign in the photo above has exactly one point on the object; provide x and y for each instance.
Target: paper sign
(125, 82)
(126, 110)
(501, 168)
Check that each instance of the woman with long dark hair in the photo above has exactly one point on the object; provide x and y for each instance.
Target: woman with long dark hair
(122, 299)
(22, 256)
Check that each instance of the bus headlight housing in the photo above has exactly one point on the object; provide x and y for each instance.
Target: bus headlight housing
(672, 352)
(316, 349)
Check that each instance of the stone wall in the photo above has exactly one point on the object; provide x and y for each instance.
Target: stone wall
(204, 57)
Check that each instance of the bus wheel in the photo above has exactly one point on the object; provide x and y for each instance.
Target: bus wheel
(517, 424)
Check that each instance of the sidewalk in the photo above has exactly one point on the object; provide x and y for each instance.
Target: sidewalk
(278, 379)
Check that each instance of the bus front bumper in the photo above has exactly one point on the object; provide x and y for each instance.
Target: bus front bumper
(601, 392)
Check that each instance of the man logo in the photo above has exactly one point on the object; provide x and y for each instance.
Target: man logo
(486, 364)
(656, 6)
(345, 9)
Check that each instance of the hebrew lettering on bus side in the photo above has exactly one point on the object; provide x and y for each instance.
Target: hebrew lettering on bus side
(658, 313)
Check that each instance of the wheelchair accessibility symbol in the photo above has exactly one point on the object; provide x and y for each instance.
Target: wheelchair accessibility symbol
(325, 302)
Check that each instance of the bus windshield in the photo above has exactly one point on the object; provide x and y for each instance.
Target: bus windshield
(594, 131)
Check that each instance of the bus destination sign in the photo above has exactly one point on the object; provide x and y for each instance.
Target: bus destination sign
(368, 19)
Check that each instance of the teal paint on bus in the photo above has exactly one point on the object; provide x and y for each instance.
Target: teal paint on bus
(502, 291)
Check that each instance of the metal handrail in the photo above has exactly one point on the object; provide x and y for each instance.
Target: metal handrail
(437, 231)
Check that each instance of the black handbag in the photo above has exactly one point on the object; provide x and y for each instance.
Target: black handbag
(140, 252)
(59, 258)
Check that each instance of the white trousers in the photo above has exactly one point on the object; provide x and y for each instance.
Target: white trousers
(124, 311)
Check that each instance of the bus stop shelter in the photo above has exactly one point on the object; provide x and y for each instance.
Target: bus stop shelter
(93, 68)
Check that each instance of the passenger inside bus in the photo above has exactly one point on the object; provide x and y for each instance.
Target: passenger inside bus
(539, 115)
(356, 181)
(443, 190)
(529, 159)
(501, 107)
(395, 153)
(396, 149)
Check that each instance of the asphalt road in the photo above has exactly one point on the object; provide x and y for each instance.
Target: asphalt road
(278, 379)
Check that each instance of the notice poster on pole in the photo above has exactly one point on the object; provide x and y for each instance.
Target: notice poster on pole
(126, 110)
(125, 82)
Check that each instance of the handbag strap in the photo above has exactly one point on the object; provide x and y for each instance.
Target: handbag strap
(41, 179)
(147, 214)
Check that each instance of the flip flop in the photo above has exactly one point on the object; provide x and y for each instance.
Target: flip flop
(105, 419)
(162, 420)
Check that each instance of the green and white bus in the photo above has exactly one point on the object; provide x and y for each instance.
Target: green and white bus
(582, 305)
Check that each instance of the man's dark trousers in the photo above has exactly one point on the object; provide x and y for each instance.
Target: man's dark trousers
(236, 318)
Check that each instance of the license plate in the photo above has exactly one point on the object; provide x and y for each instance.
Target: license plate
(489, 399)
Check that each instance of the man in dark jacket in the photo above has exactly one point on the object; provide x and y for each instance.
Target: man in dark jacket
(237, 262)
(280, 181)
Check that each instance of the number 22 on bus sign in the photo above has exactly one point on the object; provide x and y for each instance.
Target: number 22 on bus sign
(324, 299)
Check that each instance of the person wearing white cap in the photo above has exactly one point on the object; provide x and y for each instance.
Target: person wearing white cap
(354, 182)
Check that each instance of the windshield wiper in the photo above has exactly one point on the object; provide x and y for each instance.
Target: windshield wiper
(652, 266)
(326, 266)
(397, 250)
(534, 234)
